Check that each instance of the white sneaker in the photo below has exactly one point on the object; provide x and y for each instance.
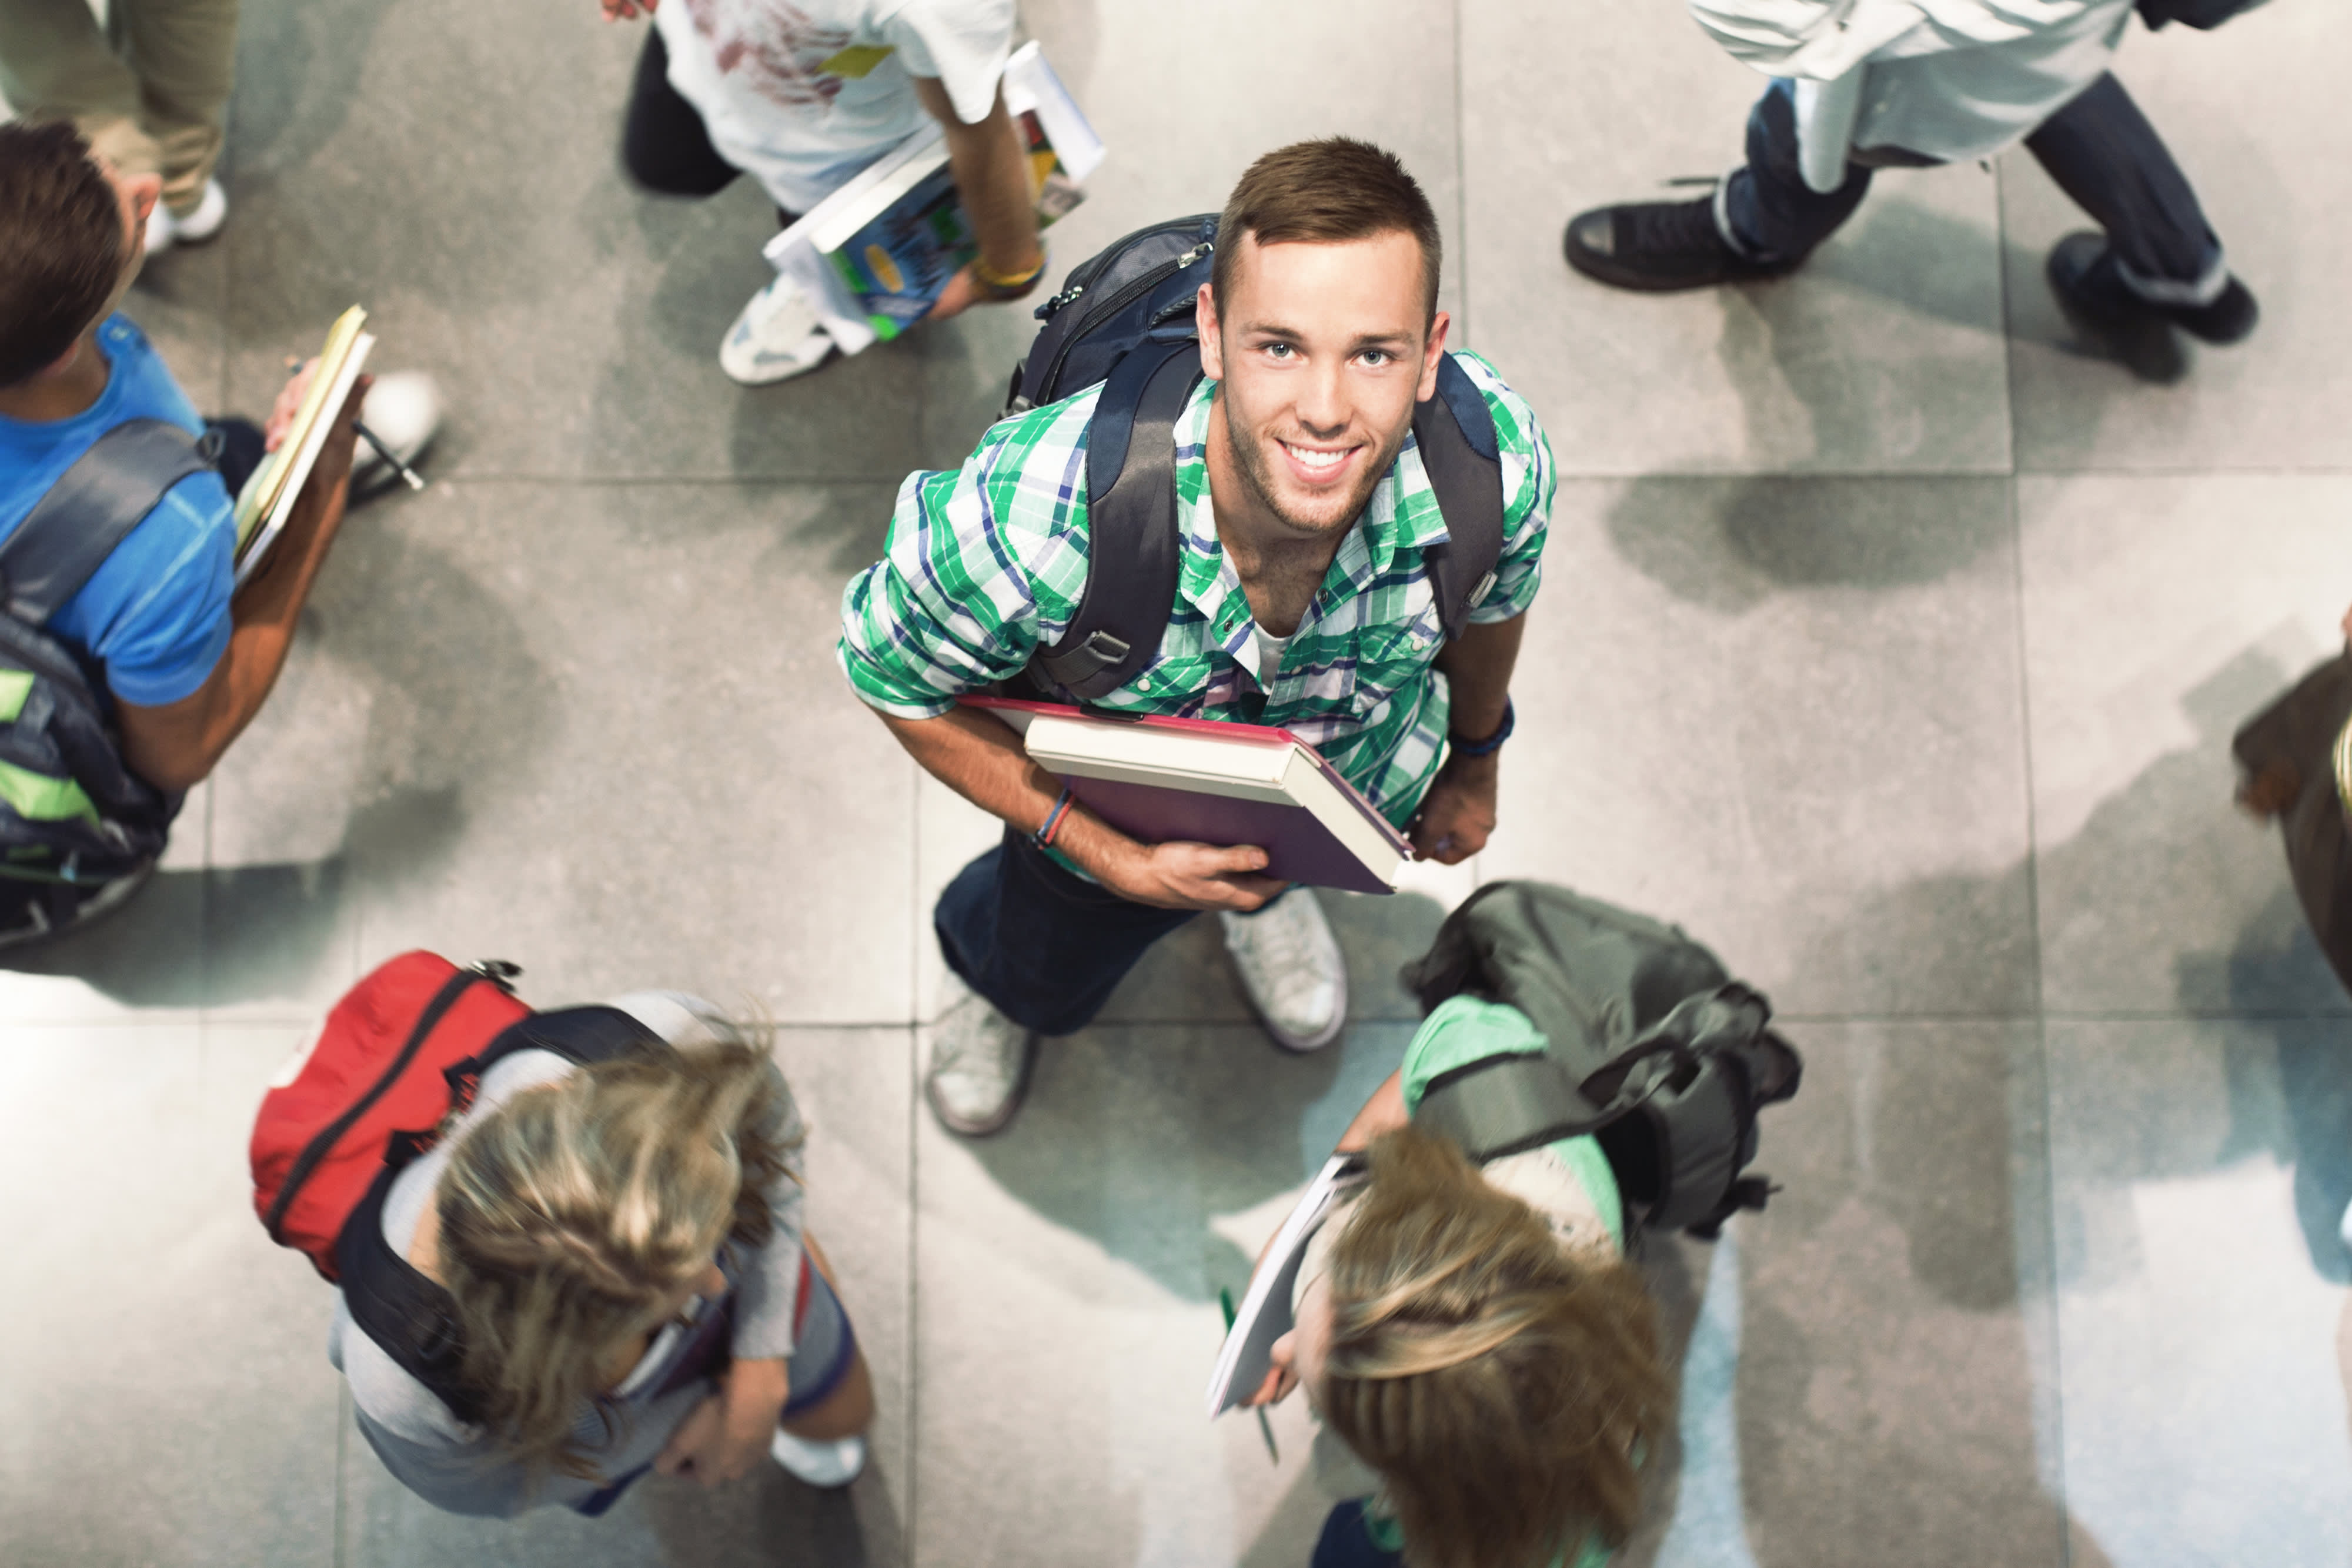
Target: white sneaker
(403, 410)
(1291, 970)
(2346, 1229)
(164, 231)
(980, 1067)
(820, 1464)
(775, 339)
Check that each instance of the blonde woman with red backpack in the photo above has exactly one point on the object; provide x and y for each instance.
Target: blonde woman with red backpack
(595, 1265)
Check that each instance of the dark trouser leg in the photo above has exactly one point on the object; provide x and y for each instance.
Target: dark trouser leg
(1045, 947)
(2104, 153)
(1765, 210)
(1345, 1543)
(664, 144)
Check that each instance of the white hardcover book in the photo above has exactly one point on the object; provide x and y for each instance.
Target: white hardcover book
(1265, 1313)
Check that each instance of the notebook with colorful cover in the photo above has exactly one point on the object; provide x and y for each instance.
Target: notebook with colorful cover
(1206, 781)
(874, 256)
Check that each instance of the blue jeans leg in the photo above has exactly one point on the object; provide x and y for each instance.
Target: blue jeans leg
(1345, 1542)
(1047, 947)
(2104, 153)
(1768, 212)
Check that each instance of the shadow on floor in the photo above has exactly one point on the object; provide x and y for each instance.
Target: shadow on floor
(770, 1521)
(1730, 544)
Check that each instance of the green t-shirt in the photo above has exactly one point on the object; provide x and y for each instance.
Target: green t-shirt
(1463, 1029)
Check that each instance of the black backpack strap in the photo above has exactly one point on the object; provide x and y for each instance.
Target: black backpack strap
(1133, 550)
(1504, 1105)
(1456, 433)
(582, 1035)
(92, 508)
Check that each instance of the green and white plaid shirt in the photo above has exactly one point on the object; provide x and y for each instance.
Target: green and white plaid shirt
(987, 563)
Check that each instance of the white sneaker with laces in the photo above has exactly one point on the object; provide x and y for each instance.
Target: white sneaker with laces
(775, 339)
(403, 410)
(1291, 970)
(979, 1068)
(819, 1463)
(164, 231)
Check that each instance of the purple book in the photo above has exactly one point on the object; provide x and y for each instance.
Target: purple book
(1166, 779)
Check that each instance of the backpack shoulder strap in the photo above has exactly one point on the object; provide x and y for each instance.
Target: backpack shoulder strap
(92, 508)
(1456, 433)
(1133, 552)
(1502, 1105)
(413, 1320)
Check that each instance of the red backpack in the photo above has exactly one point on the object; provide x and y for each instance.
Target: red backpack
(380, 1067)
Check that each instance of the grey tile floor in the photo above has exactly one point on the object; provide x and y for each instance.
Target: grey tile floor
(1892, 643)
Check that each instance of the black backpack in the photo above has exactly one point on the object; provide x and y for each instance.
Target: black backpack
(72, 814)
(1651, 1045)
(2200, 13)
(1125, 317)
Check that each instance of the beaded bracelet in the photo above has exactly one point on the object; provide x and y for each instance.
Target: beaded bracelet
(1492, 743)
(1044, 837)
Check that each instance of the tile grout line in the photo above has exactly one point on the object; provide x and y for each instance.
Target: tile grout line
(2047, 1242)
(914, 1129)
(1462, 173)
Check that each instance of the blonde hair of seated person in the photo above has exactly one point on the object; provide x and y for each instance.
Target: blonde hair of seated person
(1501, 1387)
(575, 1218)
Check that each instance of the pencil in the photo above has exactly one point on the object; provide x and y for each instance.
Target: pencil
(1265, 1427)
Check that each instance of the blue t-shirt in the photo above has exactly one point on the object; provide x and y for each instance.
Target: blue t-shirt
(155, 616)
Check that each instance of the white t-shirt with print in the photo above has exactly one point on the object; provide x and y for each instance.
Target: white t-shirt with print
(801, 96)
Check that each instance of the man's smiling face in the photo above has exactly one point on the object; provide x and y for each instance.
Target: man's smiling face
(1322, 350)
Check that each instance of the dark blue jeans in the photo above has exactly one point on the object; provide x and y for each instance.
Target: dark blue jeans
(1047, 948)
(1345, 1543)
(2100, 150)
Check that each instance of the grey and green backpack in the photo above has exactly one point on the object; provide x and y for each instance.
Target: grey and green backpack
(1649, 1046)
(72, 814)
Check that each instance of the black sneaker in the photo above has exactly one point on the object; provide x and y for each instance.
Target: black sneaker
(1657, 247)
(2083, 274)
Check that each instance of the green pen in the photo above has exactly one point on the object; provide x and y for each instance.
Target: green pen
(1265, 1427)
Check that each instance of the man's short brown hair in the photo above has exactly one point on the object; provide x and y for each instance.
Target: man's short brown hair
(61, 245)
(1328, 193)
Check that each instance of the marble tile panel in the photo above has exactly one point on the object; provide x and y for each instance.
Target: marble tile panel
(1065, 1310)
(1869, 1361)
(1786, 714)
(2251, 113)
(1883, 354)
(573, 322)
(2161, 613)
(599, 731)
(2204, 1325)
(162, 1337)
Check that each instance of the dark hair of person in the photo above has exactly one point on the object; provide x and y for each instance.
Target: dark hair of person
(1328, 192)
(61, 245)
(1503, 1387)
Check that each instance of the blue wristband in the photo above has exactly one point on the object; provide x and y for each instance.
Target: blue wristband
(1492, 743)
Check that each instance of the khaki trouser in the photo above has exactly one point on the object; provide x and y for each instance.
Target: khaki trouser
(149, 88)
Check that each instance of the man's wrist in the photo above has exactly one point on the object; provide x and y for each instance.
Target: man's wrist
(1485, 743)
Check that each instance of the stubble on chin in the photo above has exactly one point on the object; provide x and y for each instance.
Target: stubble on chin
(1253, 457)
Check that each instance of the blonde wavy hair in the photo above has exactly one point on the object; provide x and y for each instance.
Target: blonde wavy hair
(1501, 1387)
(574, 1216)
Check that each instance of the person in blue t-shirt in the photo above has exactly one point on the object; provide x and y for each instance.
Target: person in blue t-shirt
(188, 661)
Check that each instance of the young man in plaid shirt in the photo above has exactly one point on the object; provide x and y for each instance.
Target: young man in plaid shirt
(1302, 602)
